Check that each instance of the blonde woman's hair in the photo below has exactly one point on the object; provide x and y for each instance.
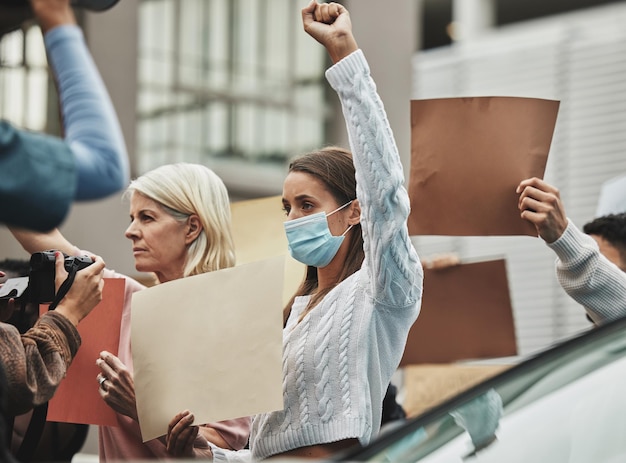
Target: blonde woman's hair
(183, 189)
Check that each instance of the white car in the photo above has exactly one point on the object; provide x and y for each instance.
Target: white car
(564, 405)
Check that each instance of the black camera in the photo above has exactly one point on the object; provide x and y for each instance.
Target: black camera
(38, 287)
(42, 272)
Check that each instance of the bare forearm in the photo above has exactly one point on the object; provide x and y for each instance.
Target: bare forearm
(32, 241)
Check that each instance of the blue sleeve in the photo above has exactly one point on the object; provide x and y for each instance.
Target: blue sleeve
(92, 129)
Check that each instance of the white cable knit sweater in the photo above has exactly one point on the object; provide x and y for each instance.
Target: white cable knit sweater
(589, 277)
(338, 361)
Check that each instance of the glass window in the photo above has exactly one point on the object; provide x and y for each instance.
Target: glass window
(24, 79)
(227, 81)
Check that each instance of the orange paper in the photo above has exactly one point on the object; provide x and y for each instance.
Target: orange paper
(77, 399)
(467, 157)
(466, 314)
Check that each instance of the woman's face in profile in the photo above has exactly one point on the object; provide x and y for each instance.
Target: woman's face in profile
(159, 240)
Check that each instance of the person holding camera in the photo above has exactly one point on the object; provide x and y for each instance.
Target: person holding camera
(41, 175)
(34, 438)
(35, 362)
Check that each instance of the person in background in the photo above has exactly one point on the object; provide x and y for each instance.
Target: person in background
(346, 326)
(41, 175)
(609, 231)
(180, 226)
(584, 272)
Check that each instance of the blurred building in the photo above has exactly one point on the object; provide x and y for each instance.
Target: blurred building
(237, 85)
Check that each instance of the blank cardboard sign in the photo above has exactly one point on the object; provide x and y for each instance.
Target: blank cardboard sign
(466, 314)
(467, 157)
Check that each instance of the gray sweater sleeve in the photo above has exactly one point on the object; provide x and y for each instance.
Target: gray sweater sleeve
(589, 277)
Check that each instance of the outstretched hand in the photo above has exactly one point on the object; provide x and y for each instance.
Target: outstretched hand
(330, 25)
(540, 204)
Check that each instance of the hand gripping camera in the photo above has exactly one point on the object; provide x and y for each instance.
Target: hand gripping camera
(38, 287)
(42, 274)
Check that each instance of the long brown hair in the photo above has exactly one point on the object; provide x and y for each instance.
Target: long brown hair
(334, 167)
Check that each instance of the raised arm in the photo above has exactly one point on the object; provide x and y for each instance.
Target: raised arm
(583, 271)
(330, 25)
(92, 129)
(392, 262)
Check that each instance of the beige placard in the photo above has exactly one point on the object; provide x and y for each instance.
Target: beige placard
(468, 155)
(259, 233)
(209, 343)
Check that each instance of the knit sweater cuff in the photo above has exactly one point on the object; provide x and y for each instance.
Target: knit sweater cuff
(570, 244)
(343, 71)
(312, 434)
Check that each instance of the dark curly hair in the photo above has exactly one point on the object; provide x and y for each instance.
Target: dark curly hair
(612, 228)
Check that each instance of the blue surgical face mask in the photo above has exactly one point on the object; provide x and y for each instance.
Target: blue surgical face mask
(310, 240)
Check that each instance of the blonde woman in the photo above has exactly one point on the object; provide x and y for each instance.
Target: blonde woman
(180, 226)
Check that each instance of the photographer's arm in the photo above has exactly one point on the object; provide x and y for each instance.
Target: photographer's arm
(33, 241)
(90, 122)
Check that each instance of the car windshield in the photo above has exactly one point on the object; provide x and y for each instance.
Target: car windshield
(566, 404)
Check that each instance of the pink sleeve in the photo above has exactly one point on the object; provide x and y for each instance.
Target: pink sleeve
(234, 432)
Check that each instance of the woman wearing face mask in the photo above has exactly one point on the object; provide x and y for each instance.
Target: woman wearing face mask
(346, 326)
(180, 226)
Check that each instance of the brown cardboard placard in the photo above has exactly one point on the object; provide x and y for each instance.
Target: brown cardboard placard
(466, 314)
(467, 157)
